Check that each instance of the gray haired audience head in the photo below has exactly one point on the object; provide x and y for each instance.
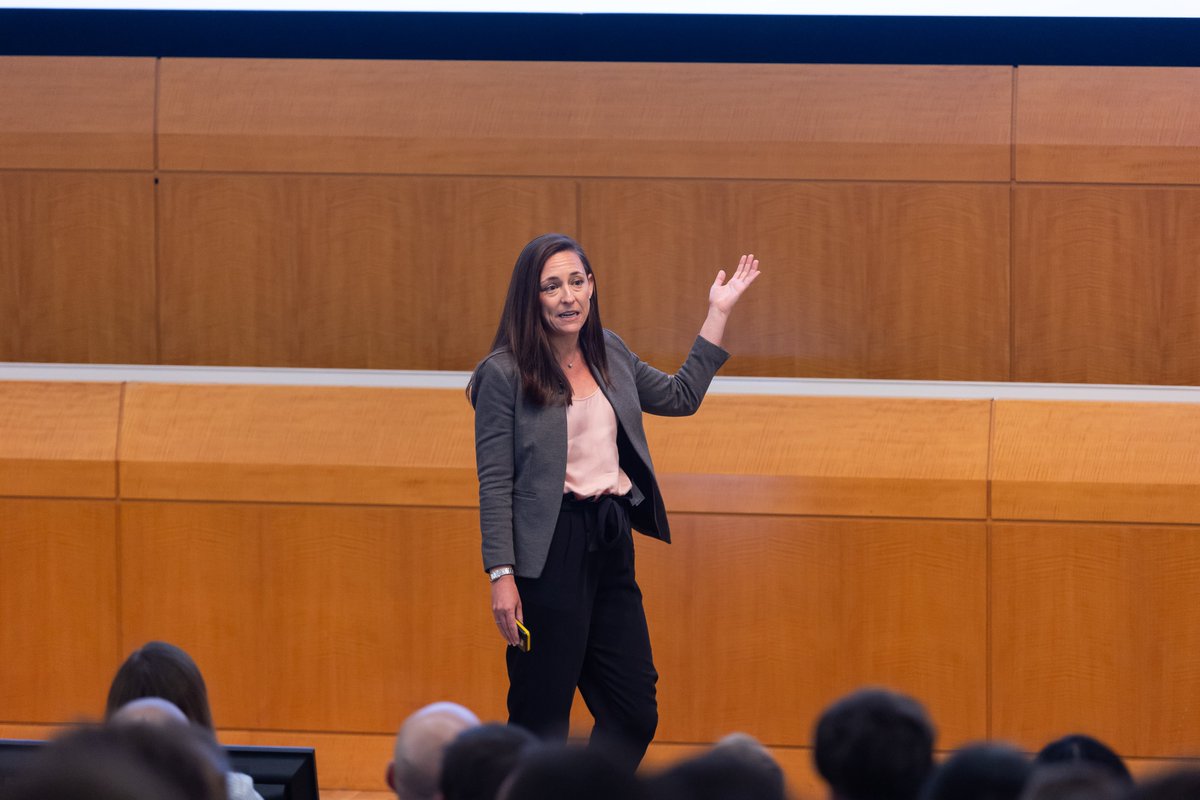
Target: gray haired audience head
(874, 745)
(416, 766)
(478, 761)
(980, 772)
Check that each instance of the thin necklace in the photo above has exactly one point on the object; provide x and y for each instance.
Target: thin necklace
(571, 362)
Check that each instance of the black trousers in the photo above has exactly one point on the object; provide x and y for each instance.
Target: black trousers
(588, 629)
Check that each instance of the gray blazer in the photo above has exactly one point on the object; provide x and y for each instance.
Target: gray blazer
(521, 448)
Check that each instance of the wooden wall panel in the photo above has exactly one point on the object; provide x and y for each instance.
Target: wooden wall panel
(377, 273)
(859, 280)
(1094, 629)
(1106, 285)
(58, 603)
(1129, 462)
(312, 618)
(81, 246)
(76, 113)
(59, 439)
(1108, 125)
(298, 444)
(544, 118)
(759, 622)
(818, 455)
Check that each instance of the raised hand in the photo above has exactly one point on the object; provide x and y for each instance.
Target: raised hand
(724, 294)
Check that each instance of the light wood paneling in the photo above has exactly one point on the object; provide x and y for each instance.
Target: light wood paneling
(378, 273)
(81, 248)
(1106, 285)
(76, 113)
(312, 618)
(544, 118)
(58, 603)
(759, 622)
(775, 455)
(1094, 629)
(59, 439)
(193, 576)
(859, 280)
(819, 455)
(1128, 462)
(1108, 125)
(298, 444)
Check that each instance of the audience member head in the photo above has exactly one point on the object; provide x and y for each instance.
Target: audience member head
(159, 669)
(420, 744)
(1179, 785)
(479, 759)
(555, 773)
(148, 711)
(1073, 781)
(1080, 748)
(740, 769)
(980, 772)
(123, 762)
(874, 745)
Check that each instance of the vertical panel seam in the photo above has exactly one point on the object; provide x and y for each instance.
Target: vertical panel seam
(157, 212)
(119, 533)
(987, 579)
(1012, 234)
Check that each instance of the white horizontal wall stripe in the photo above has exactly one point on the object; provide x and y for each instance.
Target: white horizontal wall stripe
(416, 379)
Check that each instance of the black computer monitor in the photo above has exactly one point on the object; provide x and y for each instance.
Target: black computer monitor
(279, 773)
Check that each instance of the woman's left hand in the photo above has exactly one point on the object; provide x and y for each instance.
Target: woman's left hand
(724, 294)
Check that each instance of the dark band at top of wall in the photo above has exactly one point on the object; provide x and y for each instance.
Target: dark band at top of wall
(604, 37)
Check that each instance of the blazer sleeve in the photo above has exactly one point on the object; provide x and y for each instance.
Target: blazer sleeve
(680, 394)
(495, 414)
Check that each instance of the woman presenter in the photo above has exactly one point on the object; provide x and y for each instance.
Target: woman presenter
(564, 473)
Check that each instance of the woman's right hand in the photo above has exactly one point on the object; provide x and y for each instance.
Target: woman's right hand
(506, 608)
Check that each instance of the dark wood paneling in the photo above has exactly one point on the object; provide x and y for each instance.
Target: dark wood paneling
(76, 113)
(540, 118)
(81, 246)
(859, 280)
(378, 273)
(1106, 285)
(1108, 125)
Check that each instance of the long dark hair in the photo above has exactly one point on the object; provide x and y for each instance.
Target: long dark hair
(522, 332)
(160, 669)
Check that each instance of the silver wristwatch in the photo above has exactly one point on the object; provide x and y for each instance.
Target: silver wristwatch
(499, 572)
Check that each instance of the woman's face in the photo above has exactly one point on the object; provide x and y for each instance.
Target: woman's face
(566, 294)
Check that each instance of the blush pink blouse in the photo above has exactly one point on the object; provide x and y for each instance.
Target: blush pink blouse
(593, 466)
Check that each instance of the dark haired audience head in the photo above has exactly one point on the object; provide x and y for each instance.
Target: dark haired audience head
(124, 762)
(1180, 785)
(1073, 780)
(477, 762)
(559, 773)
(1080, 748)
(874, 745)
(734, 770)
(980, 772)
(159, 669)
